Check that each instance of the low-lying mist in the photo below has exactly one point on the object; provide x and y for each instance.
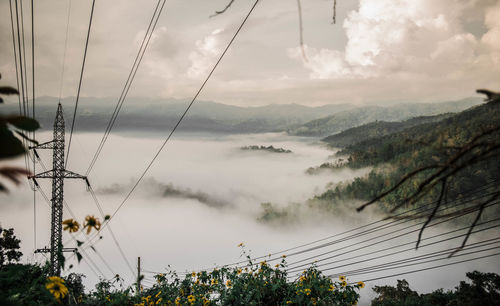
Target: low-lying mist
(201, 198)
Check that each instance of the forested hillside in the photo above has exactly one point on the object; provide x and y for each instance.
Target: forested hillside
(347, 119)
(377, 129)
(397, 154)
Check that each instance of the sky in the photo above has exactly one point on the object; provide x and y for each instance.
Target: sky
(378, 52)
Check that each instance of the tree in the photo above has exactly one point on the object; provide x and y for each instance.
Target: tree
(435, 178)
(484, 290)
(9, 246)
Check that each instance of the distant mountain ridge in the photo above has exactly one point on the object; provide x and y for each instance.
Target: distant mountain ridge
(378, 129)
(347, 119)
(162, 114)
(155, 114)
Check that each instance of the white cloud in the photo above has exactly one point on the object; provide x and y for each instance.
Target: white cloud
(491, 39)
(204, 56)
(403, 37)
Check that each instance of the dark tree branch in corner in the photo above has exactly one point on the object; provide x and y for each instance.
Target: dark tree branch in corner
(480, 148)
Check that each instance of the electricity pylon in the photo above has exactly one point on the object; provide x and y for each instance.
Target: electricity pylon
(57, 174)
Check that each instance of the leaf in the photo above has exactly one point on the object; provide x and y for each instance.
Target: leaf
(13, 173)
(26, 137)
(10, 146)
(8, 90)
(79, 256)
(79, 243)
(107, 217)
(23, 123)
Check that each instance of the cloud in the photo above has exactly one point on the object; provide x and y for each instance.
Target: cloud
(408, 38)
(204, 56)
(491, 39)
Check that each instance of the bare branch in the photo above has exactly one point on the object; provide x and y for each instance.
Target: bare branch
(224, 10)
(433, 213)
(404, 179)
(334, 15)
(478, 216)
(301, 32)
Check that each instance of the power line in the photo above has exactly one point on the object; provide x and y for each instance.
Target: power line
(398, 246)
(90, 261)
(15, 55)
(96, 201)
(33, 113)
(430, 268)
(184, 113)
(80, 82)
(412, 261)
(65, 49)
(467, 198)
(423, 208)
(384, 240)
(128, 83)
(24, 59)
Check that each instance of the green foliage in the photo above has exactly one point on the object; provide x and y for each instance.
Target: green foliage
(270, 148)
(9, 246)
(347, 119)
(254, 284)
(377, 129)
(395, 155)
(10, 145)
(24, 285)
(484, 290)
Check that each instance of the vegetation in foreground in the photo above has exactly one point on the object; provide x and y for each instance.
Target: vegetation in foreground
(251, 284)
(484, 289)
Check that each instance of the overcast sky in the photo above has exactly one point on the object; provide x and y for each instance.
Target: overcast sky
(384, 51)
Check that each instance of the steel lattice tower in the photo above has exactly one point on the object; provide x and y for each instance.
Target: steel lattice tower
(57, 174)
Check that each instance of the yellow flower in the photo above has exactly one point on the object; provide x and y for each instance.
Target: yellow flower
(238, 271)
(229, 284)
(193, 274)
(313, 301)
(191, 299)
(241, 245)
(342, 278)
(158, 294)
(70, 225)
(206, 301)
(307, 291)
(214, 282)
(92, 222)
(159, 301)
(344, 283)
(289, 302)
(361, 284)
(177, 301)
(197, 282)
(56, 287)
(302, 278)
(277, 265)
(332, 287)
